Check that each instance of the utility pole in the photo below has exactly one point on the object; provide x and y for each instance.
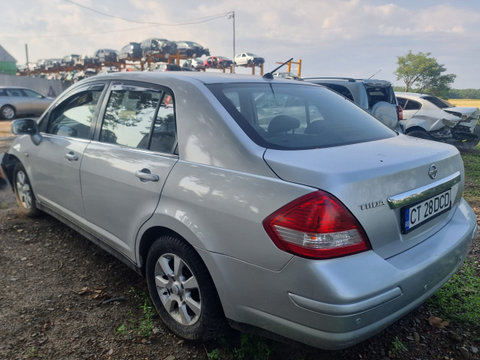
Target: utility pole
(232, 16)
(26, 53)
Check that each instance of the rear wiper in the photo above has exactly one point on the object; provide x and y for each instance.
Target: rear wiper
(269, 75)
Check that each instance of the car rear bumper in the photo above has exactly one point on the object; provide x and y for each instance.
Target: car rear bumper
(334, 304)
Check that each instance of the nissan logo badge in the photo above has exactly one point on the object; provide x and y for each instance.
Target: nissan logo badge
(432, 171)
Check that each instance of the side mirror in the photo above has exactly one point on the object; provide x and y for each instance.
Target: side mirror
(27, 127)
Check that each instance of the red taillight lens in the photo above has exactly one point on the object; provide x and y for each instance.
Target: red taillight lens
(400, 112)
(318, 226)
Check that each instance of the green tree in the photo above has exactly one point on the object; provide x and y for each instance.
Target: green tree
(424, 72)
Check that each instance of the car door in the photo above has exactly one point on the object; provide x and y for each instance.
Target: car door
(66, 130)
(124, 170)
(38, 102)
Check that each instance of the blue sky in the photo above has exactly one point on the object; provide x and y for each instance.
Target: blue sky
(354, 38)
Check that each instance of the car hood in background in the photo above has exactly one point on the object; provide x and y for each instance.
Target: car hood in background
(470, 112)
(364, 176)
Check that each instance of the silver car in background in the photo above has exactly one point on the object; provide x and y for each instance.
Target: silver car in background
(18, 101)
(274, 204)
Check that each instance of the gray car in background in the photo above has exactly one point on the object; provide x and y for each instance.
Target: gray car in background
(275, 204)
(18, 101)
(373, 95)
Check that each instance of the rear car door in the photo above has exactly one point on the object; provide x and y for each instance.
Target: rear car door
(66, 131)
(124, 170)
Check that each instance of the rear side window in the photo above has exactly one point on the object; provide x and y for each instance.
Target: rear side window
(140, 118)
(442, 104)
(412, 105)
(297, 116)
(342, 90)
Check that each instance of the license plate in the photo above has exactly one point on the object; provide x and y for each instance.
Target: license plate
(418, 214)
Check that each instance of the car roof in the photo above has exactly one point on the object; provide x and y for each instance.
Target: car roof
(206, 78)
(342, 80)
(410, 94)
(14, 87)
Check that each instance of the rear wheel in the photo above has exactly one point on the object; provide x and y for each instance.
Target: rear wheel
(23, 191)
(182, 290)
(8, 112)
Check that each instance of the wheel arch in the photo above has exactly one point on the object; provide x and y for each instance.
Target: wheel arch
(9, 162)
(152, 234)
(415, 128)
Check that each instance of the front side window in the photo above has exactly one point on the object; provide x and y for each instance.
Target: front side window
(297, 116)
(73, 117)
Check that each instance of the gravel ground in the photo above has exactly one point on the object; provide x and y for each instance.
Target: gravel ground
(58, 302)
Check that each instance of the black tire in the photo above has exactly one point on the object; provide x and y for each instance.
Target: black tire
(8, 112)
(187, 302)
(23, 192)
(422, 134)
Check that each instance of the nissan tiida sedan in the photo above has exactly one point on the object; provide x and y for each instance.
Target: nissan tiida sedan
(263, 203)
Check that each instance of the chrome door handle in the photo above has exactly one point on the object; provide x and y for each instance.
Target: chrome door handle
(71, 156)
(145, 175)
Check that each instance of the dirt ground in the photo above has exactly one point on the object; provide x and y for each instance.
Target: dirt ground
(64, 298)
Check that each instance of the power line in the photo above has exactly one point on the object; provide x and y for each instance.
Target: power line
(190, 22)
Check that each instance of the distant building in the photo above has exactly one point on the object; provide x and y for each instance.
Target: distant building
(8, 64)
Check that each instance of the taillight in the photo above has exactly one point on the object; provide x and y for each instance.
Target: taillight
(316, 225)
(400, 112)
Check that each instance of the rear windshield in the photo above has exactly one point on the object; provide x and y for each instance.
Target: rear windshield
(442, 104)
(297, 116)
(380, 93)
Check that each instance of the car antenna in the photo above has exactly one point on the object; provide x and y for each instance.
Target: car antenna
(269, 75)
(375, 73)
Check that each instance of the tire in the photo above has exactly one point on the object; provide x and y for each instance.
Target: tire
(8, 112)
(182, 290)
(24, 192)
(422, 134)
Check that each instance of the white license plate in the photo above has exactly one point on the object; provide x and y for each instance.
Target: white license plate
(416, 215)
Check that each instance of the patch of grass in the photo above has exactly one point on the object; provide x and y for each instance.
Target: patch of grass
(459, 298)
(243, 347)
(142, 325)
(397, 348)
(471, 161)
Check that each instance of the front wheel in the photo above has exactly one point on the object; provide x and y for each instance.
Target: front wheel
(8, 112)
(24, 192)
(182, 290)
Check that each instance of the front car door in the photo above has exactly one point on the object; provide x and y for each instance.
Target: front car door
(124, 170)
(66, 131)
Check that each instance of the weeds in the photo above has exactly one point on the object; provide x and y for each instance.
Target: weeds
(459, 298)
(397, 348)
(139, 326)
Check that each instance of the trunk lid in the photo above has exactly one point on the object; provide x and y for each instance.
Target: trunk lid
(369, 177)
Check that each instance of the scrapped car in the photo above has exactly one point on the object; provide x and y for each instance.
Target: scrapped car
(196, 63)
(158, 46)
(106, 55)
(373, 95)
(244, 59)
(275, 204)
(191, 49)
(19, 101)
(132, 50)
(218, 62)
(429, 117)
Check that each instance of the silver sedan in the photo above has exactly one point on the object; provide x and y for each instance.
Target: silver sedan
(275, 204)
(19, 101)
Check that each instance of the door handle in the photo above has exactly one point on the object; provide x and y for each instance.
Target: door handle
(145, 175)
(71, 156)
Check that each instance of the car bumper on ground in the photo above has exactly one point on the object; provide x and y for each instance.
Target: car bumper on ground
(334, 304)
